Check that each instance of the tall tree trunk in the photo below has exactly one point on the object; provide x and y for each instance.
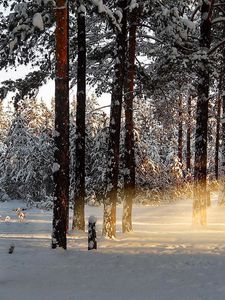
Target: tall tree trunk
(218, 117)
(188, 149)
(109, 218)
(200, 169)
(180, 131)
(129, 155)
(221, 197)
(79, 193)
(61, 165)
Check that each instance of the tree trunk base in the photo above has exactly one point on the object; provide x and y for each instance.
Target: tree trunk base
(127, 215)
(109, 219)
(78, 218)
(199, 216)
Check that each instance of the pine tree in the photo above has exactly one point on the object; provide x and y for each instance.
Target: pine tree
(16, 159)
(129, 155)
(79, 193)
(109, 218)
(61, 164)
(200, 168)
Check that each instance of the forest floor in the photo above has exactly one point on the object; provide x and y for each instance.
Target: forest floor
(164, 258)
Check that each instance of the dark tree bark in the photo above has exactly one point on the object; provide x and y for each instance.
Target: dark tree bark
(200, 168)
(188, 149)
(79, 193)
(221, 198)
(180, 130)
(218, 119)
(61, 166)
(109, 218)
(129, 154)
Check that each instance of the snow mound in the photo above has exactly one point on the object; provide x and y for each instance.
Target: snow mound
(38, 21)
(92, 219)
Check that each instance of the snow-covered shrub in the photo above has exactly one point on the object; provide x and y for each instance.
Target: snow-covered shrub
(27, 161)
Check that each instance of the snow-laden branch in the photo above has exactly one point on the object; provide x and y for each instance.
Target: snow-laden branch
(133, 5)
(216, 46)
(218, 20)
(219, 4)
(105, 10)
(98, 108)
(151, 37)
(195, 12)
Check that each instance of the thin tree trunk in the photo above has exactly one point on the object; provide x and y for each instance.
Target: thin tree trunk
(218, 117)
(200, 169)
(129, 155)
(188, 149)
(61, 165)
(221, 197)
(180, 131)
(109, 218)
(79, 193)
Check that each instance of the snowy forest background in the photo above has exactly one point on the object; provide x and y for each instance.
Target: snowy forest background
(163, 64)
(27, 154)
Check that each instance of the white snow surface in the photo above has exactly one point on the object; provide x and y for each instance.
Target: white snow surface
(164, 258)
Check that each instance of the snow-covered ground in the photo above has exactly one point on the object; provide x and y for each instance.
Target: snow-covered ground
(163, 259)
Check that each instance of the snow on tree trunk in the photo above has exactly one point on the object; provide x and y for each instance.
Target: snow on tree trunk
(79, 193)
(109, 218)
(61, 174)
(129, 155)
(200, 168)
(92, 238)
